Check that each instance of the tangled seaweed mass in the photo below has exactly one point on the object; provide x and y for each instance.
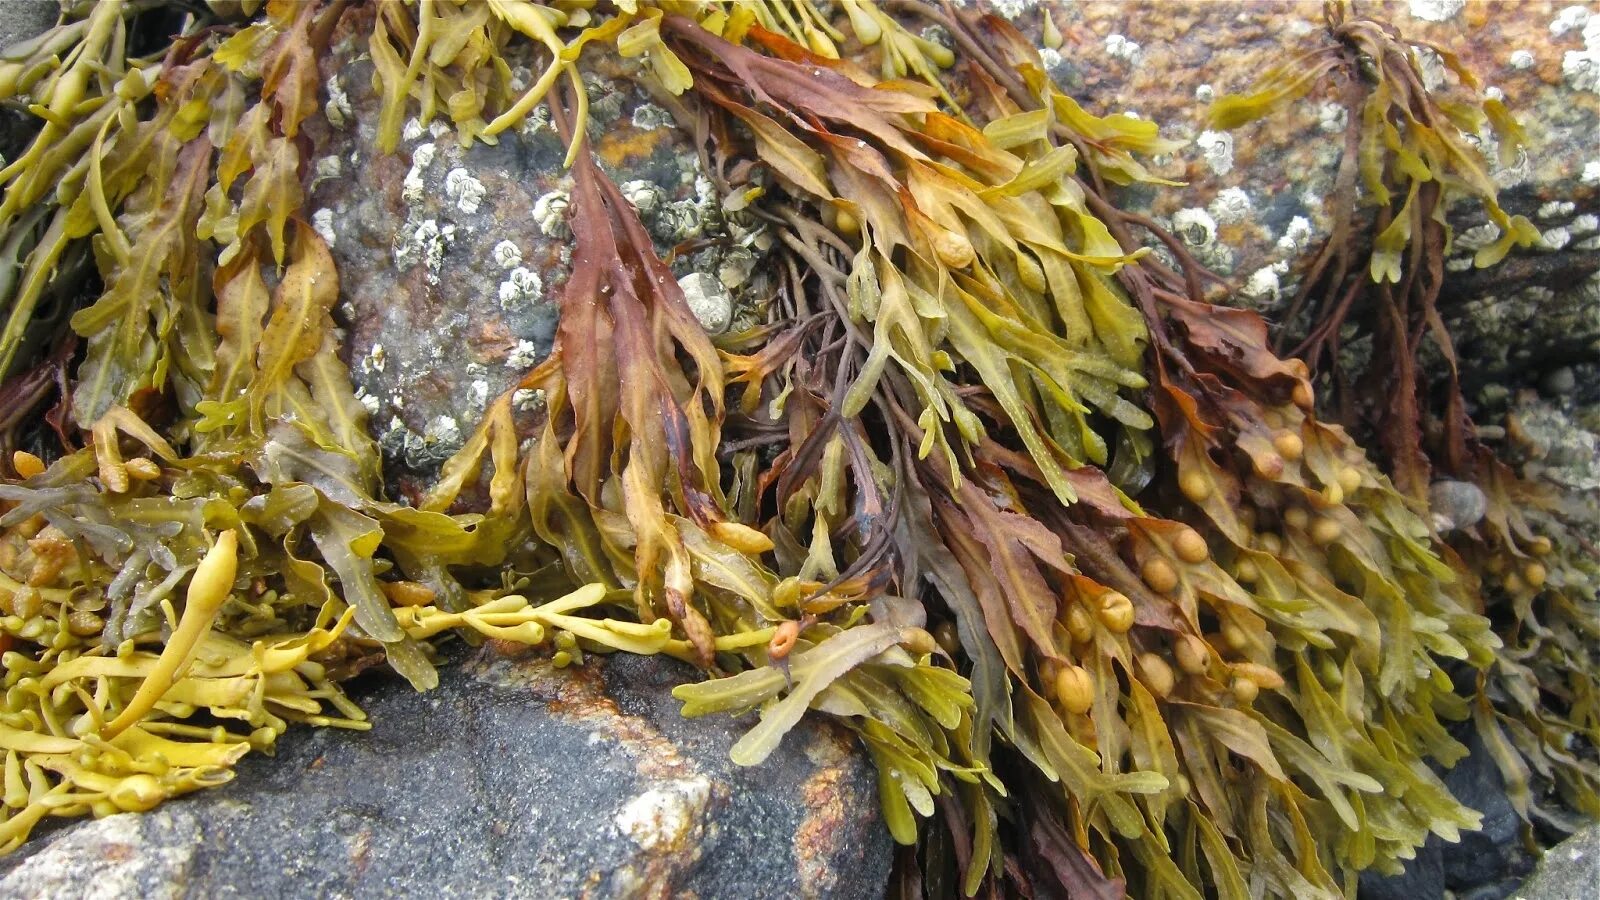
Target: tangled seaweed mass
(1110, 604)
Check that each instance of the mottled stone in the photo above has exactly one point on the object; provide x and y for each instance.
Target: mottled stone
(22, 19)
(1456, 504)
(513, 779)
(1268, 184)
(452, 260)
(1569, 871)
(19, 21)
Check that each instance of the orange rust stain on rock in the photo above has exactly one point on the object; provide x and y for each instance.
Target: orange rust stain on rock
(116, 853)
(816, 849)
(624, 144)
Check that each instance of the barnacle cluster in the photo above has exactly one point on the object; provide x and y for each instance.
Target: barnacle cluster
(1068, 547)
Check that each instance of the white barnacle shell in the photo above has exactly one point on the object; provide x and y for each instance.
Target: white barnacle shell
(550, 212)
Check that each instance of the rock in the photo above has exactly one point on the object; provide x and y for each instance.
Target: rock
(513, 778)
(1423, 879)
(1267, 185)
(1559, 382)
(19, 21)
(1569, 871)
(1488, 863)
(23, 19)
(452, 261)
(1456, 504)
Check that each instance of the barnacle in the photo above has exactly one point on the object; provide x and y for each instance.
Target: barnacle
(1067, 547)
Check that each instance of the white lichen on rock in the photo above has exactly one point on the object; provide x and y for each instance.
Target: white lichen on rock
(1569, 19)
(367, 401)
(322, 224)
(1431, 64)
(1194, 226)
(1332, 117)
(1262, 287)
(423, 242)
(662, 818)
(326, 168)
(649, 117)
(337, 109)
(1297, 236)
(412, 188)
(1555, 210)
(1580, 68)
(443, 430)
(527, 399)
(1554, 239)
(1009, 8)
(645, 196)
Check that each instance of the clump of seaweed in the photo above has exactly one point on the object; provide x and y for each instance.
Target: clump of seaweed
(1408, 151)
(1065, 545)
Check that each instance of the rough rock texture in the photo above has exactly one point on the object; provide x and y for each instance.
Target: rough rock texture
(1266, 186)
(1569, 871)
(452, 261)
(512, 779)
(22, 19)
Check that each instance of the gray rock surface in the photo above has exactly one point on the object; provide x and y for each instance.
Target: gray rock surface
(452, 261)
(1569, 871)
(22, 19)
(513, 779)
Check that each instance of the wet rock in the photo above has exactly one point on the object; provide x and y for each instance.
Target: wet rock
(1569, 871)
(1423, 879)
(1488, 863)
(1559, 382)
(1268, 186)
(1456, 504)
(22, 19)
(511, 779)
(452, 261)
